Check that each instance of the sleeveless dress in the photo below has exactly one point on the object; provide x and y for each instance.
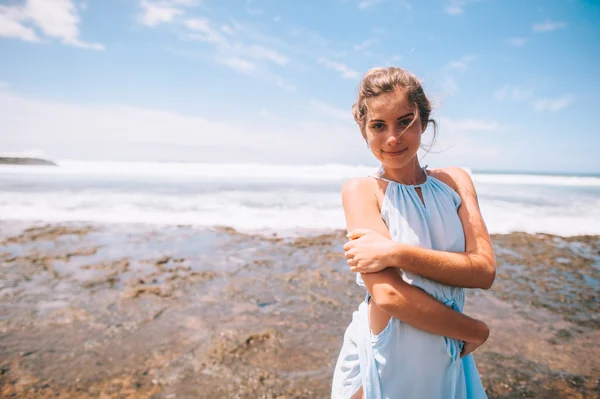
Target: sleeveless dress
(403, 362)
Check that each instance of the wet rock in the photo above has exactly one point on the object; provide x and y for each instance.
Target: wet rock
(164, 260)
(47, 232)
(83, 252)
(139, 290)
(322, 240)
(260, 316)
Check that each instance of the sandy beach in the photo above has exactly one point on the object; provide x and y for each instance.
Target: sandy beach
(138, 311)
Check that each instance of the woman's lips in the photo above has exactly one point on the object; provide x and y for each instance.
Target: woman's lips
(395, 153)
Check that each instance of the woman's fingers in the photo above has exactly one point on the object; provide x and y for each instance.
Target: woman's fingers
(468, 348)
(357, 233)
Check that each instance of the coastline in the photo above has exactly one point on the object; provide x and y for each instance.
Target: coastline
(162, 312)
(25, 161)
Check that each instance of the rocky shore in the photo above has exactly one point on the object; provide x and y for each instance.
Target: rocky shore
(133, 311)
(25, 161)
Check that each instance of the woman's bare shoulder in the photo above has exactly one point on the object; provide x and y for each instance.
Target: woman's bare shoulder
(357, 185)
(365, 187)
(454, 176)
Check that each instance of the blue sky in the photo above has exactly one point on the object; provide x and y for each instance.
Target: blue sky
(514, 83)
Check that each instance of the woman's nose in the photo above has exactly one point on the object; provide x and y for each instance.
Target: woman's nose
(395, 136)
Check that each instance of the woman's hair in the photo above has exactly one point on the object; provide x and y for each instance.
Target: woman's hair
(385, 80)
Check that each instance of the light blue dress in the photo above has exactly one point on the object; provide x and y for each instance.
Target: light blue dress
(403, 362)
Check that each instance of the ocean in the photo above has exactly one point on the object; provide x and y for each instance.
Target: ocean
(274, 198)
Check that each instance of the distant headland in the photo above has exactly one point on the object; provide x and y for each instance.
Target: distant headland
(25, 161)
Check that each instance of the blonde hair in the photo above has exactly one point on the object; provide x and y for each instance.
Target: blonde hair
(385, 80)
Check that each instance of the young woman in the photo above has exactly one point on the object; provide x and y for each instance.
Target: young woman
(417, 239)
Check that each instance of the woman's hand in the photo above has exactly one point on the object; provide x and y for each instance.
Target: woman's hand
(368, 251)
(469, 347)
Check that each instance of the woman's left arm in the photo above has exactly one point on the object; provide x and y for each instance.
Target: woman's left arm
(369, 252)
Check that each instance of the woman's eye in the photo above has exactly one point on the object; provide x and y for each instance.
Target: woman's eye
(377, 126)
(405, 122)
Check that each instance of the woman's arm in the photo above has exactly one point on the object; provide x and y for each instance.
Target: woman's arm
(393, 295)
(474, 268)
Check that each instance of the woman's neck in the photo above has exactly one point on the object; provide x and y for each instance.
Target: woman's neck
(410, 174)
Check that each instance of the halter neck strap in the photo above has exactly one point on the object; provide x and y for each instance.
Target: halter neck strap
(381, 171)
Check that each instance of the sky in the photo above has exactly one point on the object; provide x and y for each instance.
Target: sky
(514, 83)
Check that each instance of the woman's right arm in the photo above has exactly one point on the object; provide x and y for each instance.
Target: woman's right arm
(392, 294)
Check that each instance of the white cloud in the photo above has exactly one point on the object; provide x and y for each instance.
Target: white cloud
(201, 24)
(10, 25)
(517, 41)
(331, 111)
(54, 18)
(58, 18)
(365, 44)
(247, 33)
(255, 11)
(456, 7)
(514, 93)
(207, 37)
(3, 85)
(277, 18)
(347, 72)
(461, 64)
(261, 52)
(364, 4)
(547, 26)
(239, 64)
(235, 46)
(453, 10)
(204, 32)
(60, 127)
(154, 13)
(133, 133)
(186, 3)
(231, 46)
(553, 104)
(368, 3)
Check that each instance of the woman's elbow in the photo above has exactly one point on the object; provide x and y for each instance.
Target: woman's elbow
(488, 275)
(387, 297)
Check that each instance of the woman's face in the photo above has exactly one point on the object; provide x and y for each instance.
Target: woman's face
(393, 129)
